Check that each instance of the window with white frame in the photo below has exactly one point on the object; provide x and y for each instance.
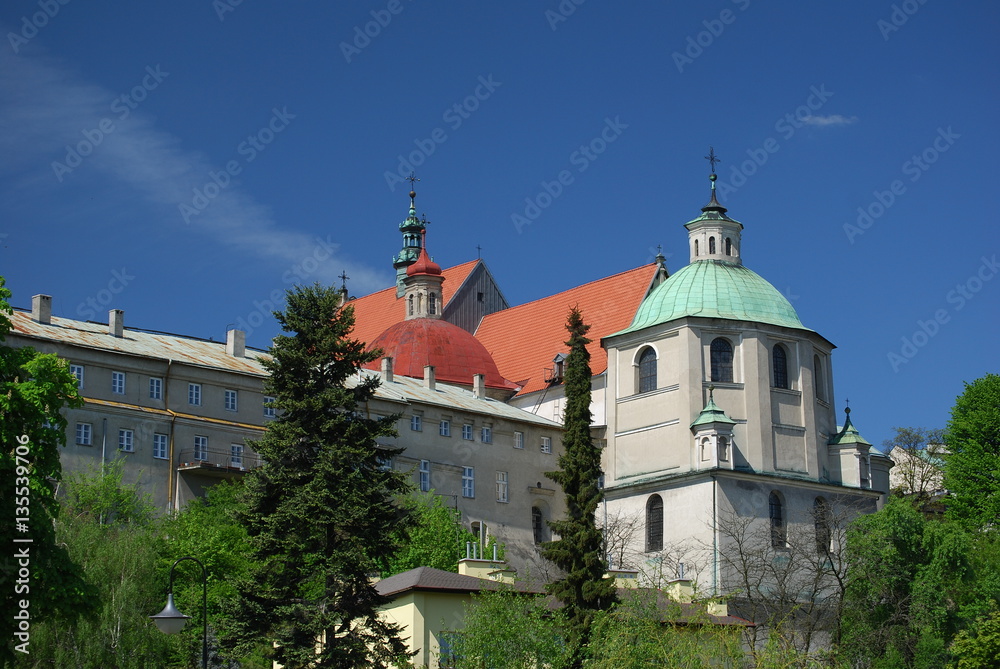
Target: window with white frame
(425, 475)
(236, 455)
(546, 444)
(416, 422)
(486, 434)
(384, 462)
(160, 446)
(155, 388)
(200, 448)
(194, 394)
(519, 440)
(232, 400)
(444, 428)
(126, 441)
(467, 432)
(77, 371)
(84, 434)
(269, 411)
(468, 482)
(502, 487)
(118, 383)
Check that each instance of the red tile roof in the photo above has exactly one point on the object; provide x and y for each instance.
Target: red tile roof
(374, 313)
(523, 340)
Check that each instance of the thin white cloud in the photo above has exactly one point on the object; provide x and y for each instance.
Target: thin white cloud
(832, 119)
(45, 106)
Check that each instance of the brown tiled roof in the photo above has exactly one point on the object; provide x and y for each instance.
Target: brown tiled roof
(523, 340)
(373, 314)
(429, 578)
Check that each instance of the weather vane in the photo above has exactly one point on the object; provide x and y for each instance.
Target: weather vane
(412, 179)
(343, 278)
(712, 158)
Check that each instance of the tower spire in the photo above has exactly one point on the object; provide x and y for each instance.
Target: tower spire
(412, 229)
(713, 235)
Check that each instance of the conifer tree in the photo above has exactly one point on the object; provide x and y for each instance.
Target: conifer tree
(320, 512)
(579, 550)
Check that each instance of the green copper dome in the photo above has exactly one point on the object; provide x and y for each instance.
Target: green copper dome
(715, 289)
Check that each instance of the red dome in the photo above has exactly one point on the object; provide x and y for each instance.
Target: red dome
(423, 265)
(455, 354)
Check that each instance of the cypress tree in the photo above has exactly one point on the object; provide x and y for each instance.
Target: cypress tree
(320, 512)
(579, 551)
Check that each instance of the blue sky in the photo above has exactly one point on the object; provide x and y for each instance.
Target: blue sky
(233, 149)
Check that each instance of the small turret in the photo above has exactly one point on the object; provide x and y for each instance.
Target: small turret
(713, 235)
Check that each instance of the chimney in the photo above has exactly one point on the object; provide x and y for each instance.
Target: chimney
(429, 377)
(387, 369)
(41, 309)
(236, 343)
(116, 323)
(479, 386)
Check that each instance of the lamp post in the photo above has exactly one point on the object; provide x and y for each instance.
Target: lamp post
(172, 621)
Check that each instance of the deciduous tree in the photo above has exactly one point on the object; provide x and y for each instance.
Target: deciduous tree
(972, 466)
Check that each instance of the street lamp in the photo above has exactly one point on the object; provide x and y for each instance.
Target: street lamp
(172, 621)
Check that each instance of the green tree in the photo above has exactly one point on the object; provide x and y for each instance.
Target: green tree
(972, 466)
(34, 387)
(979, 646)
(321, 512)
(436, 539)
(579, 551)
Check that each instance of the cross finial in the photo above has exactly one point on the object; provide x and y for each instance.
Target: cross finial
(712, 158)
(412, 179)
(479, 251)
(343, 279)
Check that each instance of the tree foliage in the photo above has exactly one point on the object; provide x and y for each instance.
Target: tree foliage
(579, 551)
(972, 472)
(34, 387)
(321, 512)
(436, 539)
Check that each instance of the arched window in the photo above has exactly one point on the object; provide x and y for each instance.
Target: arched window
(647, 370)
(537, 525)
(432, 303)
(821, 519)
(722, 361)
(723, 449)
(711, 245)
(706, 446)
(729, 246)
(696, 248)
(654, 524)
(779, 361)
(776, 514)
(818, 385)
(409, 306)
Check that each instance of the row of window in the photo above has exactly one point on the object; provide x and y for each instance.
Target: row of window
(468, 482)
(721, 357)
(711, 246)
(485, 433)
(126, 444)
(118, 384)
(775, 513)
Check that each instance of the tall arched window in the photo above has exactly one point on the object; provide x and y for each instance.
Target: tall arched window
(432, 303)
(711, 245)
(818, 385)
(647, 370)
(722, 361)
(776, 514)
(723, 449)
(779, 361)
(409, 306)
(696, 248)
(729, 246)
(821, 519)
(654, 524)
(537, 525)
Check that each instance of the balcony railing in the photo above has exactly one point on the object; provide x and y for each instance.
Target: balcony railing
(217, 460)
